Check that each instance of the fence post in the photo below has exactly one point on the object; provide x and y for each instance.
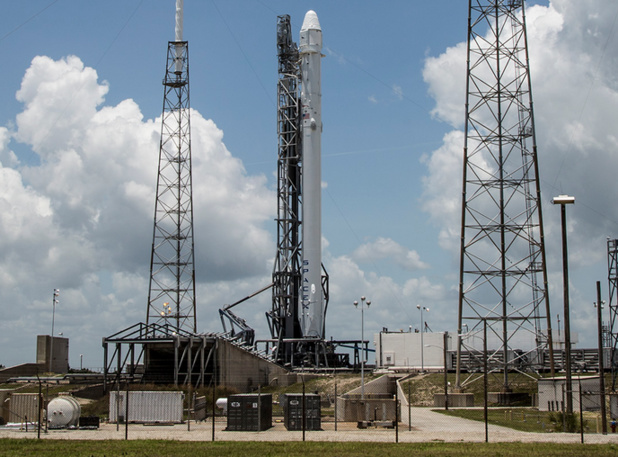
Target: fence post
(126, 415)
(396, 413)
(335, 404)
(409, 407)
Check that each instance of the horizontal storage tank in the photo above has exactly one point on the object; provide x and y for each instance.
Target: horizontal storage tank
(147, 406)
(249, 412)
(62, 412)
(293, 411)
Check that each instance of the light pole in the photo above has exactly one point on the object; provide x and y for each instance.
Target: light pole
(422, 308)
(564, 200)
(51, 345)
(363, 352)
(445, 371)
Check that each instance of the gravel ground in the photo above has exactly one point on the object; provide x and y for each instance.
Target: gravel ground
(426, 426)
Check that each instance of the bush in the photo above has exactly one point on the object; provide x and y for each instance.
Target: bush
(561, 421)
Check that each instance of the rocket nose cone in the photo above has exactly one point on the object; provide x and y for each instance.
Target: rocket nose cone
(311, 21)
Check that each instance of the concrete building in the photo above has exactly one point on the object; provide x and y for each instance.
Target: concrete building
(60, 357)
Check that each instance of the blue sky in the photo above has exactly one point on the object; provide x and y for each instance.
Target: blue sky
(79, 150)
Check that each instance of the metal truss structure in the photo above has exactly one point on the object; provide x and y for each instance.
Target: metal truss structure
(503, 276)
(170, 356)
(612, 263)
(169, 348)
(171, 295)
(284, 319)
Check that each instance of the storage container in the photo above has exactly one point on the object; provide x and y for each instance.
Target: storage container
(249, 412)
(293, 411)
(147, 406)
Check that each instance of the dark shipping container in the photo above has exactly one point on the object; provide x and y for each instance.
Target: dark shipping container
(293, 411)
(249, 412)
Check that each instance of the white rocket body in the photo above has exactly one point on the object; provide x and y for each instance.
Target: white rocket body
(312, 300)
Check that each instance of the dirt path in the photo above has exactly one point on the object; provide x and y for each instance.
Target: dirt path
(426, 426)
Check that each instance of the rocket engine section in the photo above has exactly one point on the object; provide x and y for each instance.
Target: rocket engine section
(311, 300)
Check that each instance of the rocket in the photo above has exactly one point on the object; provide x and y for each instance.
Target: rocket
(312, 300)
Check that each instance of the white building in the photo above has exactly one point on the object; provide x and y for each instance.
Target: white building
(552, 394)
(411, 350)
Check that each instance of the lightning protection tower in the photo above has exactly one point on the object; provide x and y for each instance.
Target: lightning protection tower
(171, 296)
(612, 260)
(503, 276)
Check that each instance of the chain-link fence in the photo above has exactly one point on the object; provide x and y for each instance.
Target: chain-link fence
(327, 406)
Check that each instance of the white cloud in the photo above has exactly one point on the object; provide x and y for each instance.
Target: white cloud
(60, 98)
(393, 305)
(445, 78)
(398, 91)
(81, 219)
(442, 189)
(7, 157)
(386, 248)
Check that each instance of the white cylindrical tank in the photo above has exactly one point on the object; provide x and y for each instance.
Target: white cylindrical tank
(311, 301)
(63, 412)
(222, 404)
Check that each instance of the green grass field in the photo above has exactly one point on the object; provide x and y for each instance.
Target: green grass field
(63, 448)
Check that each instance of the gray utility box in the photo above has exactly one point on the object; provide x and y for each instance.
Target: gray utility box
(293, 411)
(249, 412)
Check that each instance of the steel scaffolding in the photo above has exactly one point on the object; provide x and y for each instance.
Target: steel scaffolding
(284, 318)
(503, 276)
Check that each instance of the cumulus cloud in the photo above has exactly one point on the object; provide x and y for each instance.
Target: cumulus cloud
(386, 248)
(393, 304)
(81, 218)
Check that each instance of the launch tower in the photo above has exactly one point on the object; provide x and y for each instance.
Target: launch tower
(503, 276)
(300, 284)
(284, 317)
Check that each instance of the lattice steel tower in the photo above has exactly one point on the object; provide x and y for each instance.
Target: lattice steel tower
(284, 319)
(612, 260)
(503, 276)
(171, 295)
